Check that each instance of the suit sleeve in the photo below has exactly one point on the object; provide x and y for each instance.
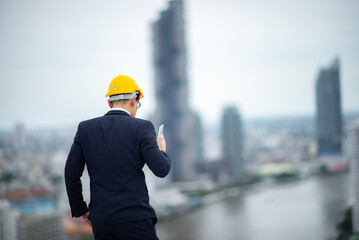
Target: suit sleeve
(73, 171)
(158, 161)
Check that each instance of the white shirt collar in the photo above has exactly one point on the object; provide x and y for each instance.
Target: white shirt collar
(120, 109)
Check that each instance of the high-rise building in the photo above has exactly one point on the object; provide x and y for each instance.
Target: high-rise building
(328, 110)
(8, 221)
(232, 138)
(182, 126)
(352, 152)
(20, 137)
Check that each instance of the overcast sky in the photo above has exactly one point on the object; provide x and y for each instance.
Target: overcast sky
(58, 57)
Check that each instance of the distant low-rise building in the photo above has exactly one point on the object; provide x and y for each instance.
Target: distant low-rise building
(42, 227)
(8, 221)
(353, 156)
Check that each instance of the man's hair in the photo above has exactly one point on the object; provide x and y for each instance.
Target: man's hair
(120, 101)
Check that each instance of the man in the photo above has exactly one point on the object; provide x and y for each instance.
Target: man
(114, 149)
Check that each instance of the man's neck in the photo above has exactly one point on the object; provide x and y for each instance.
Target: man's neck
(121, 109)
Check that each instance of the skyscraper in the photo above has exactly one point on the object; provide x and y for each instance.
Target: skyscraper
(353, 155)
(232, 138)
(328, 110)
(182, 126)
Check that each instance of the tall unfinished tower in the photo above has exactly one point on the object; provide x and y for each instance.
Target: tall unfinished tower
(182, 126)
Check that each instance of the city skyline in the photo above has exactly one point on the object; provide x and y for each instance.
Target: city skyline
(57, 58)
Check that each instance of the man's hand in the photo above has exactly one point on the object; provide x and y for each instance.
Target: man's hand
(85, 218)
(161, 142)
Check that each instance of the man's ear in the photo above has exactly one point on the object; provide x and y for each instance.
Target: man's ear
(109, 103)
(133, 101)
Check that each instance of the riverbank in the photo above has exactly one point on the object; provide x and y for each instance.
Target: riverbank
(302, 209)
(202, 197)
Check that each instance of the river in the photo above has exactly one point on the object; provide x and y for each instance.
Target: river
(302, 210)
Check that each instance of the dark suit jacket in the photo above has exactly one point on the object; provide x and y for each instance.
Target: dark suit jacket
(114, 148)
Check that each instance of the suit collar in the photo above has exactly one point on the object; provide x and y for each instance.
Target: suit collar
(121, 109)
(117, 112)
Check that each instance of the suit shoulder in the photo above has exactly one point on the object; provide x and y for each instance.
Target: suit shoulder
(90, 121)
(143, 122)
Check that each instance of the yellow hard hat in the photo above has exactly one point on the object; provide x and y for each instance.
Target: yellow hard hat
(123, 84)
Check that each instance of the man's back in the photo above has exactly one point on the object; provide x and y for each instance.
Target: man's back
(115, 148)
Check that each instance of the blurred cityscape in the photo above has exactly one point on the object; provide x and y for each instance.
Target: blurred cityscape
(34, 203)
(210, 163)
